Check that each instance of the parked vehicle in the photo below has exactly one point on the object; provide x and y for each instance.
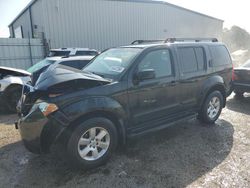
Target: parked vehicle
(60, 52)
(123, 92)
(77, 62)
(241, 80)
(12, 80)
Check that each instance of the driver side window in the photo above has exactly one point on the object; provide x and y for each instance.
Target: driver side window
(159, 61)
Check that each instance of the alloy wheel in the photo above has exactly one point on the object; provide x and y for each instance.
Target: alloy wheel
(94, 143)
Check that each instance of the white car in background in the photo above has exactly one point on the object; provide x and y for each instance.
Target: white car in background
(12, 80)
(60, 52)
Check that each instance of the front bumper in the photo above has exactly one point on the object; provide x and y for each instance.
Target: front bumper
(39, 132)
(242, 87)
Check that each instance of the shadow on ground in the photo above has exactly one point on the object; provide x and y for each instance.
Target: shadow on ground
(174, 157)
(239, 104)
(8, 119)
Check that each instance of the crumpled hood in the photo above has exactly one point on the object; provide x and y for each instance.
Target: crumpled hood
(65, 78)
(7, 71)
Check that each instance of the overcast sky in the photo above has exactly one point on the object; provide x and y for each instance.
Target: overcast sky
(233, 12)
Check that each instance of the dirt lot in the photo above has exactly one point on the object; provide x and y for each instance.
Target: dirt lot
(185, 155)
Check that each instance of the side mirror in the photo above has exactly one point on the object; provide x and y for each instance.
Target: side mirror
(146, 74)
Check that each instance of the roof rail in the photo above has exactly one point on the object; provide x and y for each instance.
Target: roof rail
(146, 41)
(171, 40)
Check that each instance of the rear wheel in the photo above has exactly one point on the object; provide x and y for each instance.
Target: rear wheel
(91, 143)
(12, 96)
(211, 108)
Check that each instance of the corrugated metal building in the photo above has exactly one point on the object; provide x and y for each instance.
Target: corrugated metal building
(104, 23)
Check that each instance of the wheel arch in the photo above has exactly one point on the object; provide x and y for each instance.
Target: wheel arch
(118, 122)
(9, 87)
(212, 84)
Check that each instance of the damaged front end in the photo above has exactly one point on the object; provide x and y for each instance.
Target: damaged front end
(42, 120)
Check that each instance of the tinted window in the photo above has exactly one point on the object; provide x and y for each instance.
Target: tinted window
(158, 60)
(192, 59)
(73, 64)
(220, 55)
(86, 53)
(58, 53)
(83, 63)
(200, 57)
(188, 60)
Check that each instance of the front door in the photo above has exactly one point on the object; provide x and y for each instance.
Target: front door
(151, 100)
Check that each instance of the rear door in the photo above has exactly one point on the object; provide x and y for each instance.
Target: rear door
(221, 63)
(193, 63)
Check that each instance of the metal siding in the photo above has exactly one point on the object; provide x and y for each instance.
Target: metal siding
(15, 52)
(37, 18)
(103, 23)
(23, 21)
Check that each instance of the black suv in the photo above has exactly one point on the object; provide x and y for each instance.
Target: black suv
(123, 92)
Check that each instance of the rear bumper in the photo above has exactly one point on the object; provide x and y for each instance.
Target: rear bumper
(241, 87)
(39, 132)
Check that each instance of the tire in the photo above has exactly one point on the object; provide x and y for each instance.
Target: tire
(12, 96)
(211, 108)
(94, 153)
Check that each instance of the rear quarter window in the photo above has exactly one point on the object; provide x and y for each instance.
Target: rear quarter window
(192, 59)
(220, 55)
(86, 53)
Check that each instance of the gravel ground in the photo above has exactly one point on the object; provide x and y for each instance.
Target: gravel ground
(190, 154)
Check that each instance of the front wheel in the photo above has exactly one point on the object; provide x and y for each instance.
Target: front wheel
(211, 108)
(91, 143)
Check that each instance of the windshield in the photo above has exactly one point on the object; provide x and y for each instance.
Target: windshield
(40, 65)
(112, 62)
(58, 53)
(247, 64)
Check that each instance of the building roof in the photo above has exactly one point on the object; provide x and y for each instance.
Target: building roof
(131, 1)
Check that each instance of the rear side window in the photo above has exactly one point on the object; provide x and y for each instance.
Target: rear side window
(192, 59)
(83, 63)
(58, 53)
(73, 64)
(86, 53)
(220, 55)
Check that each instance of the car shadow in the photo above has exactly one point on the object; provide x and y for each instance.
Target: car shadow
(239, 104)
(8, 119)
(173, 157)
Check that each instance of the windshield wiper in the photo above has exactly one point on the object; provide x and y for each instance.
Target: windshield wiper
(98, 74)
(91, 72)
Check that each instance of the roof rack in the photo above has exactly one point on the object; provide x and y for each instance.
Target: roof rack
(172, 40)
(146, 41)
